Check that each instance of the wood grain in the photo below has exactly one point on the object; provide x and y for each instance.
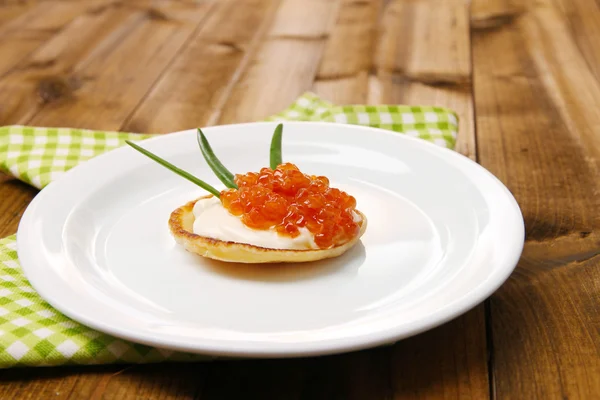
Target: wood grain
(192, 92)
(580, 17)
(110, 84)
(343, 75)
(23, 28)
(422, 69)
(435, 46)
(537, 123)
(291, 51)
(99, 81)
(350, 47)
(449, 362)
(47, 75)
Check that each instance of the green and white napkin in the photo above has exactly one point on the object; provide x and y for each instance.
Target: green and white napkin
(32, 333)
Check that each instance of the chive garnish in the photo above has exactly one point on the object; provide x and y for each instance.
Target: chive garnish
(276, 147)
(178, 171)
(213, 162)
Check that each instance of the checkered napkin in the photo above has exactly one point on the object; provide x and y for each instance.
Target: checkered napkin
(32, 333)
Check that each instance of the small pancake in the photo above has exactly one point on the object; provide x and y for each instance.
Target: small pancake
(181, 226)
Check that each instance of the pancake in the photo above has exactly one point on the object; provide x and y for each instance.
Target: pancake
(181, 225)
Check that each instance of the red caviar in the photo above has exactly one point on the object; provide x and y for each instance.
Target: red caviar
(287, 199)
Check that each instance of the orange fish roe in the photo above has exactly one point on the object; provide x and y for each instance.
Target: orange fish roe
(287, 199)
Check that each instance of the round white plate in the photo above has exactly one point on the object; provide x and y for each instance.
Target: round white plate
(443, 234)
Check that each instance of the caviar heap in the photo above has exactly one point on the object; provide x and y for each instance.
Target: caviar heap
(287, 200)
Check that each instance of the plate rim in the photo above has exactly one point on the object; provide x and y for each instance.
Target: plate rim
(288, 349)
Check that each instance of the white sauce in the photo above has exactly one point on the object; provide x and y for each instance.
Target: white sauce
(215, 221)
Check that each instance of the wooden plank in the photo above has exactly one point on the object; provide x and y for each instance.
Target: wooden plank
(438, 73)
(113, 83)
(286, 63)
(558, 62)
(343, 75)
(11, 11)
(103, 88)
(449, 362)
(192, 92)
(28, 27)
(537, 118)
(47, 74)
(581, 18)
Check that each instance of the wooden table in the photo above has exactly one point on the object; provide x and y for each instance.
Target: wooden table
(524, 77)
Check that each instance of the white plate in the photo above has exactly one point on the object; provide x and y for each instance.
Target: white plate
(443, 235)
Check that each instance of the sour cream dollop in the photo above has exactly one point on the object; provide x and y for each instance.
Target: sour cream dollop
(213, 220)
